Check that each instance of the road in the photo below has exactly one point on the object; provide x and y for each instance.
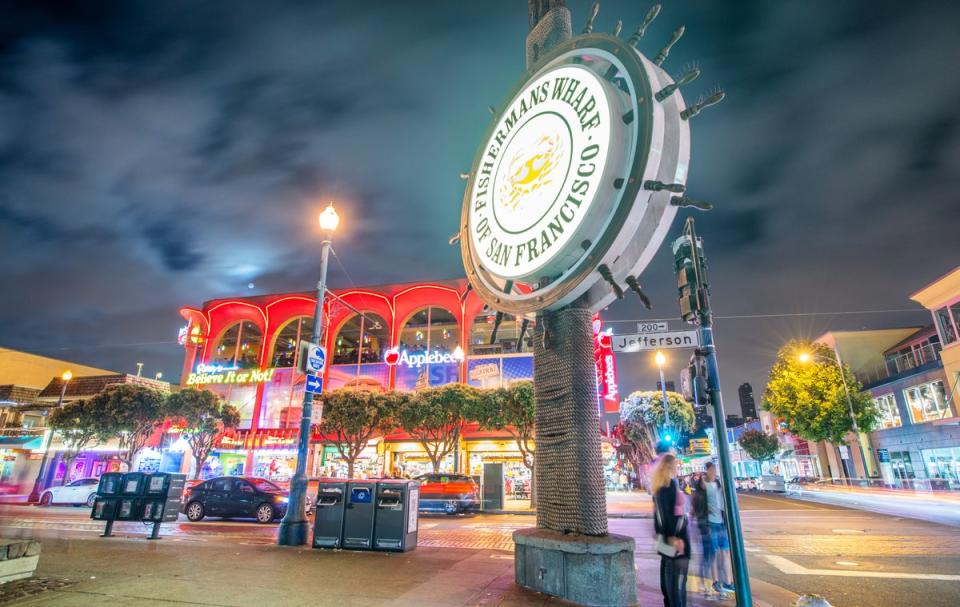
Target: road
(852, 557)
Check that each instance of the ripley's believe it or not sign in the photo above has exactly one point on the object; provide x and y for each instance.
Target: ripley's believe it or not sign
(557, 189)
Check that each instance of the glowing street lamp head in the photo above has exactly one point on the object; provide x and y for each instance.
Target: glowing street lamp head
(67, 375)
(804, 357)
(329, 220)
(660, 358)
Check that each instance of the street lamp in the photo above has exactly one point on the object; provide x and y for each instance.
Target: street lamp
(661, 360)
(158, 375)
(35, 494)
(293, 528)
(806, 357)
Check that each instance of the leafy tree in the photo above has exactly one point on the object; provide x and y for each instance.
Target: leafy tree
(805, 390)
(77, 424)
(435, 416)
(129, 413)
(354, 416)
(204, 417)
(640, 415)
(511, 409)
(759, 445)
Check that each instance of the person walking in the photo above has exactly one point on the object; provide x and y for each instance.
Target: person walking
(708, 508)
(673, 538)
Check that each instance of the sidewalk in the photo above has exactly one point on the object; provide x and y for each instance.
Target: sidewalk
(121, 571)
(620, 504)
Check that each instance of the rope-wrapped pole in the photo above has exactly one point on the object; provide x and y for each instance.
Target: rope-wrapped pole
(569, 467)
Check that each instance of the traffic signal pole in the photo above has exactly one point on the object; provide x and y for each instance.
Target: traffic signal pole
(704, 319)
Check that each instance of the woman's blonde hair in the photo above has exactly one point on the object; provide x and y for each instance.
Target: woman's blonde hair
(663, 471)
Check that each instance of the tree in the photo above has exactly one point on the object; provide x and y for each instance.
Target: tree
(434, 416)
(129, 413)
(641, 414)
(77, 424)
(204, 417)
(805, 389)
(759, 445)
(510, 409)
(354, 416)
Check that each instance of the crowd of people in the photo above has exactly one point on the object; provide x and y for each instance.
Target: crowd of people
(675, 507)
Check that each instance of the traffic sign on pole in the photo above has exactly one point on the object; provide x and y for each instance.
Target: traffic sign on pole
(639, 342)
(314, 384)
(313, 358)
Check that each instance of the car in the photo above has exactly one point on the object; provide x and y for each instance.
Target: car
(236, 497)
(80, 492)
(449, 493)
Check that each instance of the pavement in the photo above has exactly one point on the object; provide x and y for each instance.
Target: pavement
(852, 557)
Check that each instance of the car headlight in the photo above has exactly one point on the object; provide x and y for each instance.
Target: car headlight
(281, 498)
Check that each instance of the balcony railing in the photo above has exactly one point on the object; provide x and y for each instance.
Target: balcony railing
(922, 358)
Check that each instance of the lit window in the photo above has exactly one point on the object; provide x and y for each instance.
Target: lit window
(945, 326)
(887, 409)
(927, 402)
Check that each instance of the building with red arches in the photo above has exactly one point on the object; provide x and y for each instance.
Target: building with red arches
(408, 336)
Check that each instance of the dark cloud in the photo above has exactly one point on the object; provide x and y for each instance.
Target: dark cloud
(156, 154)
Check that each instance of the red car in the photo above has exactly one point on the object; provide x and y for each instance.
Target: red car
(450, 493)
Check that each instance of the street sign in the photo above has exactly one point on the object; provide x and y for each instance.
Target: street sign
(657, 326)
(314, 384)
(313, 358)
(656, 341)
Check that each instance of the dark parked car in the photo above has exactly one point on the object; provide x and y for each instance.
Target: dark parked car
(450, 493)
(236, 497)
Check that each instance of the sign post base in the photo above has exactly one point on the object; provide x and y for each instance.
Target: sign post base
(584, 569)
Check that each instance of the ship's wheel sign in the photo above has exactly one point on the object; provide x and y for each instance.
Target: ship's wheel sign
(576, 182)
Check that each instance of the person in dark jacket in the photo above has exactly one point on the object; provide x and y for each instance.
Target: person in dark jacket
(711, 520)
(670, 522)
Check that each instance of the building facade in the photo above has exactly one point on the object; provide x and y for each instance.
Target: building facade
(391, 337)
(748, 406)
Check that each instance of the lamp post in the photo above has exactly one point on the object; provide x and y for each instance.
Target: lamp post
(660, 360)
(805, 357)
(293, 528)
(35, 494)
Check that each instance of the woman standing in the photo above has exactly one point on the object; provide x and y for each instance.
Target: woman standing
(673, 538)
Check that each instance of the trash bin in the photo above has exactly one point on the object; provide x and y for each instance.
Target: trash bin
(358, 514)
(328, 514)
(395, 525)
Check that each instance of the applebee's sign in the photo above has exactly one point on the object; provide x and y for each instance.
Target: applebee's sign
(395, 356)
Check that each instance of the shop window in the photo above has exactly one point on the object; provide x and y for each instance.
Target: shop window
(945, 325)
(285, 348)
(943, 464)
(435, 331)
(927, 402)
(487, 337)
(239, 345)
(361, 339)
(888, 412)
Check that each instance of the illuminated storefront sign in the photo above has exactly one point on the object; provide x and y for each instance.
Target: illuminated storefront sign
(416, 360)
(218, 374)
(606, 364)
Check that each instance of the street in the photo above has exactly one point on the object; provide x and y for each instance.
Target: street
(852, 557)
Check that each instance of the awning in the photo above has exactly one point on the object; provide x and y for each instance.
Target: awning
(21, 442)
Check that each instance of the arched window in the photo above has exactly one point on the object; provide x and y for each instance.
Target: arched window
(239, 345)
(285, 349)
(361, 339)
(488, 337)
(433, 329)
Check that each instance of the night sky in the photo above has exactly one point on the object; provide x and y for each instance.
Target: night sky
(158, 154)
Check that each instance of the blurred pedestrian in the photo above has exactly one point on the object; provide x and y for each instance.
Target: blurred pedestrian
(709, 511)
(673, 538)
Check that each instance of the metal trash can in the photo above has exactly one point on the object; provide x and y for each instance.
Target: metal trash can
(358, 514)
(328, 514)
(395, 526)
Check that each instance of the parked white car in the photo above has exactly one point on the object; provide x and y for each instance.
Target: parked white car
(81, 492)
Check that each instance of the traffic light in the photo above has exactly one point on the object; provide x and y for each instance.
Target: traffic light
(691, 277)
